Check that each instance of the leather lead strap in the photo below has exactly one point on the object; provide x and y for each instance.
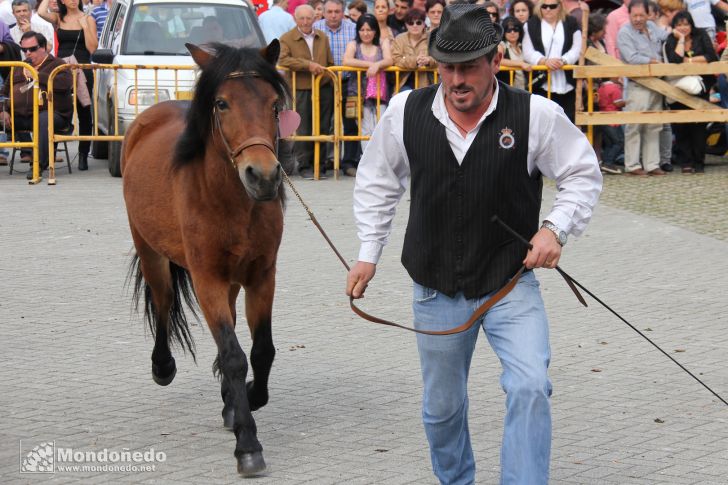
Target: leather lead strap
(499, 295)
(487, 305)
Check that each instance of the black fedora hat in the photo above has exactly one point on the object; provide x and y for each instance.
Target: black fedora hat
(466, 32)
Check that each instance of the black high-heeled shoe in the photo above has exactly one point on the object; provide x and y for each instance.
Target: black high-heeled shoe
(83, 161)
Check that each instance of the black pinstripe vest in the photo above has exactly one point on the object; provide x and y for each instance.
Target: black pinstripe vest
(450, 244)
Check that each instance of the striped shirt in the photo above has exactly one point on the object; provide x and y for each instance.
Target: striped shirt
(99, 14)
(338, 38)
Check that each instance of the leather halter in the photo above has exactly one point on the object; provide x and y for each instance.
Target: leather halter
(250, 142)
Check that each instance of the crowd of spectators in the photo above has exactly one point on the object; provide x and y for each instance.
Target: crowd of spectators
(57, 32)
(545, 33)
(316, 34)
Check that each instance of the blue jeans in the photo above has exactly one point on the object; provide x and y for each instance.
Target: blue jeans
(612, 144)
(517, 330)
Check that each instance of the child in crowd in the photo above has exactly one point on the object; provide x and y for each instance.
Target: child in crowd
(610, 99)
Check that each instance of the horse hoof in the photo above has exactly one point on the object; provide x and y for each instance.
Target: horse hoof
(164, 376)
(228, 418)
(255, 400)
(250, 464)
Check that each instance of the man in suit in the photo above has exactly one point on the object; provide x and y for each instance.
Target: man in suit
(306, 52)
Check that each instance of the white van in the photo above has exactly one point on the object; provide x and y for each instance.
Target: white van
(154, 32)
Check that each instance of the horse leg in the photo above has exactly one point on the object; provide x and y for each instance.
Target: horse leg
(158, 296)
(233, 365)
(258, 310)
(228, 415)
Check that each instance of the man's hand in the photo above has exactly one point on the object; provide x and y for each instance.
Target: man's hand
(546, 250)
(315, 68)
(359, 276)
(24, 25)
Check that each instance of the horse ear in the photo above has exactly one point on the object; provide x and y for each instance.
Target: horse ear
(271, 52)
(202, 58)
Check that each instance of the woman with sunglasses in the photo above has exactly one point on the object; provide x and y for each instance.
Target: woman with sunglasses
(409, 51)
(493, 11)
(77, 37)
(367, 51)
(553, 39)
(513, 53)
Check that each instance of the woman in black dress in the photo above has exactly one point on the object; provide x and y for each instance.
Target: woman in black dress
(689, 44)
(77, 37)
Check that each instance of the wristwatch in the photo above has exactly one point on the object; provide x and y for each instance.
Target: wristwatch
(561, 236)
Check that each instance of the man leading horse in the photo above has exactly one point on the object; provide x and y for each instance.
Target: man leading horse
(474, 148)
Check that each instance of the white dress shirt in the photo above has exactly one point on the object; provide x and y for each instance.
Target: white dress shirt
(549, 35)
(39, 25)
(556, 148)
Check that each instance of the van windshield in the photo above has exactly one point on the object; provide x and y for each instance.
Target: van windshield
(164, 28)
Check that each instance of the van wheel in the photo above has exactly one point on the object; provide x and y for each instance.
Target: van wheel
(115, 158)
(100, 149)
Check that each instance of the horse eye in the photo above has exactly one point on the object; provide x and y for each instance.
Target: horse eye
(221, 105)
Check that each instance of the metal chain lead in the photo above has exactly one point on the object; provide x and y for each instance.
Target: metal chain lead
(315, 222)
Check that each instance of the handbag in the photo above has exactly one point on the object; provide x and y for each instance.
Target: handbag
(352, 105)
(691, 84)
(82, 94)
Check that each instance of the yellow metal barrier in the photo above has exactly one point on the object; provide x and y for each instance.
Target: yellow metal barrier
(316, 136)
(117, 136)
(513, 70)
(335, 73)
(337, 137)
(30, 74)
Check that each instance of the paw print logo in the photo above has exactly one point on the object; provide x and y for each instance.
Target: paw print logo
(40, 459)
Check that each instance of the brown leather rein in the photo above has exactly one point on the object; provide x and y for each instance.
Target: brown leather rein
(479, 312)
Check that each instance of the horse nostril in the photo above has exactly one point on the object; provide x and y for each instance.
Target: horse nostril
(252, 174)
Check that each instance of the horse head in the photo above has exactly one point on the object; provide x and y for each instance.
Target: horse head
(237, 102)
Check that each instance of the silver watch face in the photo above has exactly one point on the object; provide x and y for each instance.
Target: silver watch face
(560, 235)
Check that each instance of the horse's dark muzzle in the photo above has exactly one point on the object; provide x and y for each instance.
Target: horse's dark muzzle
(260, 186)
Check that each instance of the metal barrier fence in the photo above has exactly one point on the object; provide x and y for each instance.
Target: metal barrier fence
(165, 82)
(31, 76)
(135, 97)
(338, 73)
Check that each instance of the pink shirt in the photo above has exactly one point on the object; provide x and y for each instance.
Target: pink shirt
(615, 20)
(609, 94)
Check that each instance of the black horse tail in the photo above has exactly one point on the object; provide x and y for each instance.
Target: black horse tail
(182, 291)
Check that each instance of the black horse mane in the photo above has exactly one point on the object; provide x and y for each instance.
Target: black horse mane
(198, 128)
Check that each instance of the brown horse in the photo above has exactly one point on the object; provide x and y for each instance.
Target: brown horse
(203, 212)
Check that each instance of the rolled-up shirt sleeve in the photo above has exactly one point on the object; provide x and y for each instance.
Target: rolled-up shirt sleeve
(560, 151)
(381, 179)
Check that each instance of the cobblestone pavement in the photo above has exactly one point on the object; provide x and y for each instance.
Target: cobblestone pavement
(344, 393)
(697, 202)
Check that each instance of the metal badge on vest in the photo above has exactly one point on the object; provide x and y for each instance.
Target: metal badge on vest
(507, 139)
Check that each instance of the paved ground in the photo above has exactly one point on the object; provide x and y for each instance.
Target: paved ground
(345, 393)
